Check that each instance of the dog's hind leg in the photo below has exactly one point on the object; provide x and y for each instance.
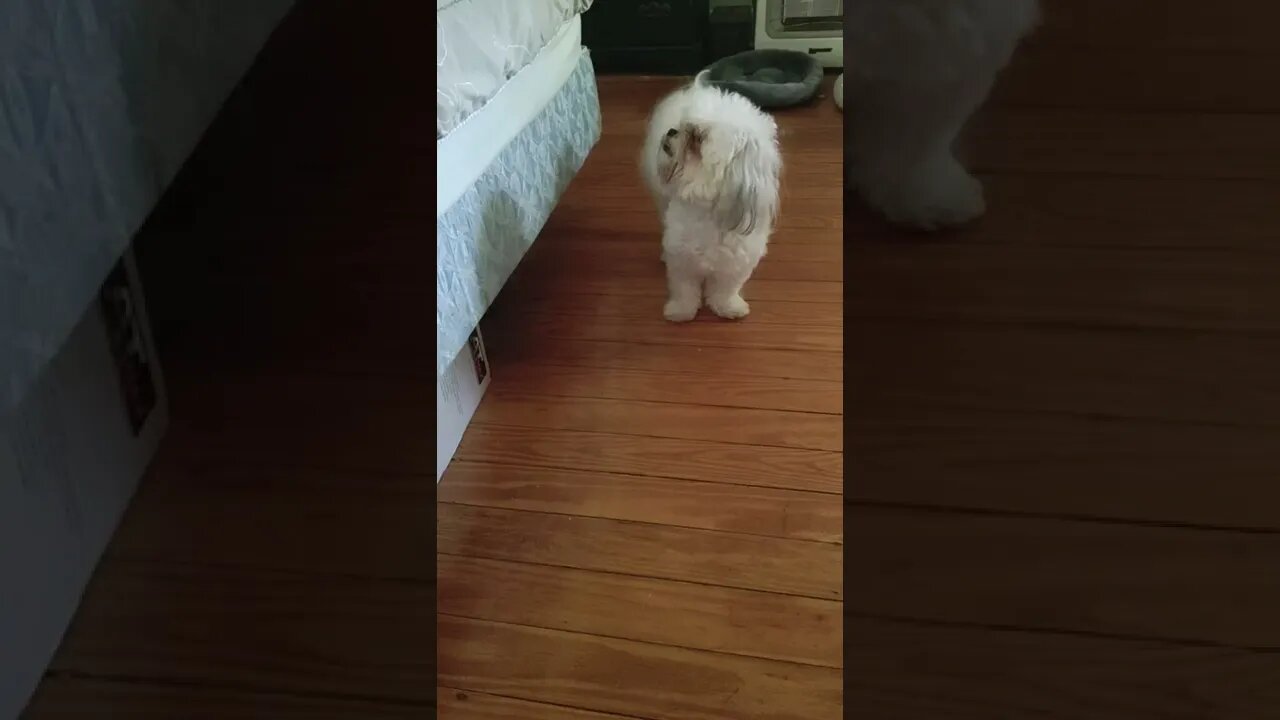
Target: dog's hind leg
(724, 293)
(684, 292)
(901, 152)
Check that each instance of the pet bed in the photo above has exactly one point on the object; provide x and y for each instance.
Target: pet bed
(769, 78)
(501, 170)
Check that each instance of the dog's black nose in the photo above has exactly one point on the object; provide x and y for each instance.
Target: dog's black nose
(672, 132)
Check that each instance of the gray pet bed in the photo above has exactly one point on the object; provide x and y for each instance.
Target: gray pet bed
(769, 78)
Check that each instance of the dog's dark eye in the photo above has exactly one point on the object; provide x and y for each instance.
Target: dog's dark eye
(672, 132)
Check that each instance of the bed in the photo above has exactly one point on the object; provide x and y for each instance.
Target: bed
(516, 116)
(101, 102)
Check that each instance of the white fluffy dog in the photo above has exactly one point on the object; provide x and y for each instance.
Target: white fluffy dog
(917, 70)
(711, 159)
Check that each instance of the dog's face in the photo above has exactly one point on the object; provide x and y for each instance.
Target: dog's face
(731, 172)
(679, 147)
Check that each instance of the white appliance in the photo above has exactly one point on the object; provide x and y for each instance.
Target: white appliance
(809, 26)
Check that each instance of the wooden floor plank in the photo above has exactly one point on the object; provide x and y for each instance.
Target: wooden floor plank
(748, 562)
(776, 467)
(1051, 463)
(293, 633)
(745, 426)
(1173, 377)
(470, 705)
(1214, 145)
(657, 331)
(72, 697)
(723, 620)
(1227, 25)
(683, 503)
(798, 395)
(1139, 80)
(511, 348)
(641, 680)
(1216, 291)
(319, 521)
(1213, 587)
(906, 671)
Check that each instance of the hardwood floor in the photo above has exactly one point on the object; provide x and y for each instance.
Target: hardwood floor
(1061, 423)
(643, 521)
(1060, 493)
(651, 512)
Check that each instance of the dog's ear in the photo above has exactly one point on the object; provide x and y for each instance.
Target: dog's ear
(749, 191)
(692, 163)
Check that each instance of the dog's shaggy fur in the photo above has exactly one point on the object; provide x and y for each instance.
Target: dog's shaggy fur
(711, 160)
(917, 70)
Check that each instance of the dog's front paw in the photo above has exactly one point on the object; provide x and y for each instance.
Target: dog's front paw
(678, 311)
(730, 308)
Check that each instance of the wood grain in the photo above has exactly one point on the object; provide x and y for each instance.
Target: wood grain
(776, 467)
(1140, 79)
(1214, 145)
(911, 670)
(748, 562)
(470, 705)
(74, 697)
(512, 347)
(1227, 25)
(295, 633)
(1208, 290)
(1068, 465)
(1182, 377)
(600, 674)
(1094, 347)
(1194, 57)
(1066, 575)
(710, 335)
(810, 396)
(657, 500)
(319, 521)
(744, 426)
(722, 620)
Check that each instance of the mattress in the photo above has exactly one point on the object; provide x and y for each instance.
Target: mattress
(481, 44)
(100, 104)
(494, 194)
(69, 462)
